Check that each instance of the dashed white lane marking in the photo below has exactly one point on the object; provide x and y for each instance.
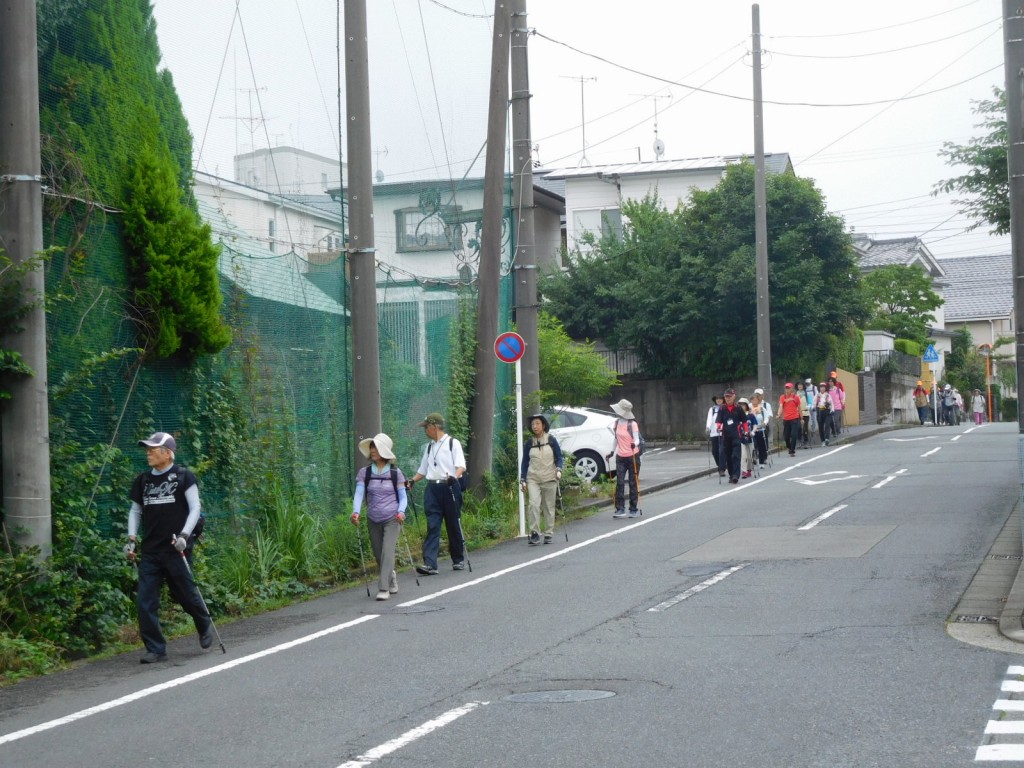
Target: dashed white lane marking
(1012, 726)
(821, 517)
(956, 438)
(410, 736)
(114, 703)
(633, 525)
(929, 453)
(890, 478)
(699, 588)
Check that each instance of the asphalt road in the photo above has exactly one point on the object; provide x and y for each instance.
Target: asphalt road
(795, 620)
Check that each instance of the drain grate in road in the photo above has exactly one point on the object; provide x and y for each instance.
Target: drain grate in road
(976, 619)
(557, 697)
(1004, 557)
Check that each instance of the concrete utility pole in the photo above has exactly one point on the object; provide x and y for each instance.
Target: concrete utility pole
(360, 251)
(525, 257)
(1013, 56)
(764, 329)
(481, 415)
(24, 419)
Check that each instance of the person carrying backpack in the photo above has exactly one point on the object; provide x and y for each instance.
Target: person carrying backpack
(539, 475)
(628, 445)
(165, 501)
(824, 408)
(443, 466)
(789, 407)
(731, 420)
(382, 485)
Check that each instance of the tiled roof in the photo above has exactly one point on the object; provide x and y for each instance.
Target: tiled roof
(978, 287)
(904, 251)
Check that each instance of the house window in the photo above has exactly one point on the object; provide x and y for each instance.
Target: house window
(419, 232)
(600, 222)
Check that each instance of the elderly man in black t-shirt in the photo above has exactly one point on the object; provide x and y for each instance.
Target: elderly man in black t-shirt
(166, 502)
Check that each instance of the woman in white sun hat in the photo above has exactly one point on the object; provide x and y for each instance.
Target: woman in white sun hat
(382, 485)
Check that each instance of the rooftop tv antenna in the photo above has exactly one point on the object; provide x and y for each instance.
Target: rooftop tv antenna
(379, 175)
(583, 114)
(659, 145)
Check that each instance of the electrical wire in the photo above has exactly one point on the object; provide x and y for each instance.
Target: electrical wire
(736, 97)
(316, 76)
(883, 53)
(463, 13)
(929, 17)
(890, 105)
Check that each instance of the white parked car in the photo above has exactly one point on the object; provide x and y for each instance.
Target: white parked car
(586, 433)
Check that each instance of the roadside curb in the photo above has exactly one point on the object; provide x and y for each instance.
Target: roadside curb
(1008, 544)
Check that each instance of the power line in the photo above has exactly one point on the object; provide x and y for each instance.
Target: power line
(886, 52)
(929, 17)
(735, 97)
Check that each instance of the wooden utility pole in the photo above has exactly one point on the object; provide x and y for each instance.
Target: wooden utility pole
(360, 251)
(25, 417)
(481, 414)
(1013, 61)
(525, 256)
(764, 329)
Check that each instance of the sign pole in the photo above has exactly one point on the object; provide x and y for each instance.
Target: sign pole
(509, 348)
(519, 453)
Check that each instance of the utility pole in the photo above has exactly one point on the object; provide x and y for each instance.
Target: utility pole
(360, 250)
(24, 419)
(1013, 58)
(764, 330)
(481, 416)
(525, 257)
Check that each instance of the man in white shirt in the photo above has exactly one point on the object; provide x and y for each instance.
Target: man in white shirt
(443, 466)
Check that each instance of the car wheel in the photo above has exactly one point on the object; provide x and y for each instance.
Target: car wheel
(588, 465)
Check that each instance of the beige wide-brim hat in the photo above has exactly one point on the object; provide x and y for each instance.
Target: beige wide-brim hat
(624, 408)
(383, 443)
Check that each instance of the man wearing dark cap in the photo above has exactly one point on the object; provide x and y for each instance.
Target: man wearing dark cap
(165, 500)
(730, 420)
(443, 466)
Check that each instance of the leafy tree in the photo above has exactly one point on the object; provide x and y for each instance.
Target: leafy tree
(986, 183)
(965, 366)
(902, 301)
(571, 373)
(172, 265)
(680, 286)
(103, 97)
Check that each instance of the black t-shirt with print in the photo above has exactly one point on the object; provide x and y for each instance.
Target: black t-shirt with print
(164, 507)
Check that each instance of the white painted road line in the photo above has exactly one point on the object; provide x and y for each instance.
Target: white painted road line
(1009, 705)
(821, 517)
(1012, 686)
(1005, 726)
(409, 737)
(956, 438)
(114, 703)
(631, 526)
(699, 588)
(890, 478)
(1002, 752)
(929, 453)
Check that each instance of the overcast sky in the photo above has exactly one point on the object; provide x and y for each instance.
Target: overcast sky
(265, 73)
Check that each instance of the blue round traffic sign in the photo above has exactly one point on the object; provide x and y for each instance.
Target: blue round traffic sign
(509, 347)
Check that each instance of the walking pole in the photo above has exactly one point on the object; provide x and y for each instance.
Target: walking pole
(362, 561)
(408, 553)
(458, 520)
(559, 504)
(636, 479)
(201, 600)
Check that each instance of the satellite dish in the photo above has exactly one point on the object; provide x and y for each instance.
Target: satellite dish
(659, 149)
(379, 176)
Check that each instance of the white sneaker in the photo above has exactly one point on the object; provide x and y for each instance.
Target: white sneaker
(383, 595)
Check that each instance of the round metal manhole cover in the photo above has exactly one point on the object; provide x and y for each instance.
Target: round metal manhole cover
(557, 697)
